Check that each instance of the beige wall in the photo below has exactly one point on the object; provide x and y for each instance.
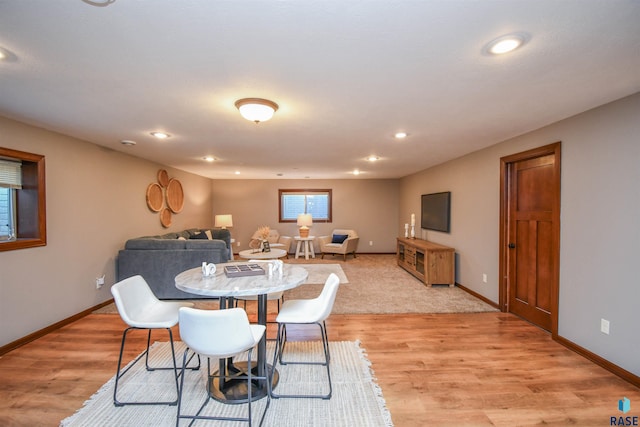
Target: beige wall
(369, 206)
(600, 230)
(95, 202)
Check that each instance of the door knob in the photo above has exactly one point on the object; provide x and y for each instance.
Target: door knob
(512, 245)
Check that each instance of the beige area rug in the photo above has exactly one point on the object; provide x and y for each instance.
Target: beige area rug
(357, 400)
(377, 285)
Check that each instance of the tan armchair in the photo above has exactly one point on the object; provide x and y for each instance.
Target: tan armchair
(348, 246)
(276, 240)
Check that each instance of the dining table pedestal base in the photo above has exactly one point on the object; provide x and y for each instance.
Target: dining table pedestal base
(234, 390)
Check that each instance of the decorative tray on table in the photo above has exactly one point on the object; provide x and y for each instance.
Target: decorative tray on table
(240, 270)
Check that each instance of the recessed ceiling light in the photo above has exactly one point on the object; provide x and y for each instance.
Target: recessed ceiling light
(127, 142)
(506, 43)
(237, 172)
(160, 135)
(400, 135)
(209, 158)
(356, 172)
(2, 55)
(373, 158)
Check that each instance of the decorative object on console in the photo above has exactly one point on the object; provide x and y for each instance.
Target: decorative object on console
(406, 230)
(304, 222)
(413, 226)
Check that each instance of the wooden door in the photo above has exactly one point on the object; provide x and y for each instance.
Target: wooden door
(531, 200)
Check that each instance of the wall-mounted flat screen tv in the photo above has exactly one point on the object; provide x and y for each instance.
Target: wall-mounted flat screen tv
(436, 211)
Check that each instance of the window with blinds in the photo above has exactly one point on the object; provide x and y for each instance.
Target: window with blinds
(10, 174)
(23, 221)
(10, 180)
(314, 202)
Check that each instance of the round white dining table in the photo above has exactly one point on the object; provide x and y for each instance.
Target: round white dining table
(226, 288)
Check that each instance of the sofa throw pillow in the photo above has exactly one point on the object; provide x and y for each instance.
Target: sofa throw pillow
(339, 238)
(200, 235)
(209, 235)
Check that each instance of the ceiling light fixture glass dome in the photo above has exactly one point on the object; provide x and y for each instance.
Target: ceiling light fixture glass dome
(256, 109)
(506, 43)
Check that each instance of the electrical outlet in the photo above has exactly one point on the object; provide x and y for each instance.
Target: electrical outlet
(99, 282)
(604, 326)
(238, 244)
(484, 278)
(370, 242)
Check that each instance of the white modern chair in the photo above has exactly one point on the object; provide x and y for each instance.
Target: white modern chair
(310, 311)
(140, 309)
(220, 334)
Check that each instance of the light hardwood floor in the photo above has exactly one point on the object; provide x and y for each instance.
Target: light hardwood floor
(434, 370)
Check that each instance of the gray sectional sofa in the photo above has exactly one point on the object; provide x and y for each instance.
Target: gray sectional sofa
(160, 258)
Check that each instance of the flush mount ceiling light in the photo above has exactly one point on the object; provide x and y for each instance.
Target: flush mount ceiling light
(209, 158)
(400, 135)
(160, 135)
(373, 158)
(127, 142)
(256, 109)
(7, 56)
(506, 43)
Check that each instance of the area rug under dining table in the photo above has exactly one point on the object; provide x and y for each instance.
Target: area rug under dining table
(357, 400)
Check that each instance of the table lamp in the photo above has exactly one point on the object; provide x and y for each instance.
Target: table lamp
(224, 221)
(304, 222)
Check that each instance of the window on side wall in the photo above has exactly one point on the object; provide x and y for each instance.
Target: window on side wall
(22, 200)
(314, 202)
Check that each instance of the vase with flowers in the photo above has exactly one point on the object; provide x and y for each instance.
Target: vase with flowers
(263, 235)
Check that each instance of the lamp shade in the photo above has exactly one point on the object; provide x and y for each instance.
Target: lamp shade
(224, 221)
(256, 109)
(305, 220)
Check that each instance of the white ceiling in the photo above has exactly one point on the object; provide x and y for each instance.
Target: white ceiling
(347, 75)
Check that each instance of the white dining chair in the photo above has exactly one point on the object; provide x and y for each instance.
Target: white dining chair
(140, 309)
(221, 334)
(309, 311)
